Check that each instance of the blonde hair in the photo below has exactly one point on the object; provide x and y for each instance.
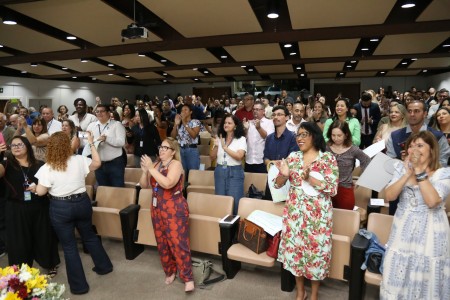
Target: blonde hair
(403, 113)
(175, 146)
(58, 151)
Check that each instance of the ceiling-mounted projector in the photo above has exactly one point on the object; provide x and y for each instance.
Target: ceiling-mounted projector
(134, 32)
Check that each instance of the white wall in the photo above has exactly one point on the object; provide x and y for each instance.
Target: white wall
(183, 89)
(440, 81)
(401, 84)
(65, 92)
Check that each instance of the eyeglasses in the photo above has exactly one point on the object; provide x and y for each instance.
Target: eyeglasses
(278, 115)
(303, 135)
(100, 111)
(164, 148)
(257, 109)
(18, 146)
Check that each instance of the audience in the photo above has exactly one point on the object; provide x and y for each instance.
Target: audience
(69, 128)
(342, 113)
(397, 119)
(63, 113)
(368, 114)
(37, 136)
(53, 125)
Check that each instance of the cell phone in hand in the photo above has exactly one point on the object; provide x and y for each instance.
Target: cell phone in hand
(82, 134)
(2, 139)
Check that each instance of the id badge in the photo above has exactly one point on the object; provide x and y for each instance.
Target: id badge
(141, 144)
(27, 196)
(155, 202)
(224, 166)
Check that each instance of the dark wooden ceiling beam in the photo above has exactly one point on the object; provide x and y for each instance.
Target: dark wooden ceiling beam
(255, 63)
(236, 39)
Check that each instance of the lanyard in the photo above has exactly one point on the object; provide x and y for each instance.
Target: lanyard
(25, 175)
(100, 132)
(224, 153)
(159, 170)
(49, 124)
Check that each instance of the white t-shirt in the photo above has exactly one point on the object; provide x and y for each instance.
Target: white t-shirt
(236, 144)
(69, 182)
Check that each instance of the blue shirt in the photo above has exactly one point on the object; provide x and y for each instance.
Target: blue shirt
(277, 148)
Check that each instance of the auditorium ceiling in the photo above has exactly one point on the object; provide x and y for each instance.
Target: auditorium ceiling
(192, 41)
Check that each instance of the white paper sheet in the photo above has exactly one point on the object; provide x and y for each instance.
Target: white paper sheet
(281, 194)
(378, 173)
(372, 150)
(269, 222)
(376, 202)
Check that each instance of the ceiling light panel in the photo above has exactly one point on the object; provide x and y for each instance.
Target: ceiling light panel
(132, 61)
(189, 56)
(77, 65)
(409, 45)
(228, 71)
(329, 48)
(255, 52)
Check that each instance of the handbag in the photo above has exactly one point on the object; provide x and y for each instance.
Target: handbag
(374, 262)
(202, 270)
(253, 192)
(252, 236)
(273, 245)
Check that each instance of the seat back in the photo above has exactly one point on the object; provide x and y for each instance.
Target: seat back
(209, 205)
(90, 179)
(259, 180)
(132, 175)
(145, 198)
(345, 222)
(115, 197)
(380, 224)
(205, 159)
(248, 205)
(130, 161)
(201, 177)
(203, 149)
(205, 137)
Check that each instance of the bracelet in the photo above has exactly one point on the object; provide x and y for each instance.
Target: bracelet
(92, 144)
(421, 176)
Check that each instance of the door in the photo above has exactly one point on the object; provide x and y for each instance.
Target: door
(37, 102)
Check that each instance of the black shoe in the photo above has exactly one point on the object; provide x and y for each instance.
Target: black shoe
(102, 272)
(80, 293)
(52, 272)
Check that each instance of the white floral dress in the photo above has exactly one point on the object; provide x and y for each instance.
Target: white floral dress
(305, 247)
(417, 261)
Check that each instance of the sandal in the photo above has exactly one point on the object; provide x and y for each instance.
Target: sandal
(52, 272)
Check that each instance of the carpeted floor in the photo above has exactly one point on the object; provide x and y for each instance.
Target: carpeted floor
(143, 278)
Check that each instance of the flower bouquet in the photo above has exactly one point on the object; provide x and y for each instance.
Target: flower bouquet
(26, 283)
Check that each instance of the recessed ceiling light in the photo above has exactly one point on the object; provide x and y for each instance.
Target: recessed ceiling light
(74, 77)
(141, 55)
(287, 45)
(250, 70)
(165, 74)
(33, 64)
(272, 15)
(353, 61)
(83, 60)
(413, 59)
(110, 74)
(93, 78)
(382, 72)
(243, 66)
(374, 40)
(293, 53)
(195, 78)
(348, 66)
(302, 75)
(23, 72)
(127, 76)
(364, 49)
(223, 56)
(341, 73)
(71, 37)
(9, 21)
(206, 72)
(64, 68)
(446, 45)
(299, 68)
(163, 60)
(404, 63)
(164, 80)
(1, 46)
(110, 65)
(425, 71)
(408, 4)
(195, 69)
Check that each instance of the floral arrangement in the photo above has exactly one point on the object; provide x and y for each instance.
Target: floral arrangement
(26, 283)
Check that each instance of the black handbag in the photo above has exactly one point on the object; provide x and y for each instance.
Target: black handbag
(253, 192)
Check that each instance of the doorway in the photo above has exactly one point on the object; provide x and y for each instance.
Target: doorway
(37, 102)
(331, 91)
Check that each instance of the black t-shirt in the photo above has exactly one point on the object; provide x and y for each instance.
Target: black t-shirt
(14, 180)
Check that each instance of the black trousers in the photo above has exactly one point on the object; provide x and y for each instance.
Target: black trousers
(255, 168)
(366, 140)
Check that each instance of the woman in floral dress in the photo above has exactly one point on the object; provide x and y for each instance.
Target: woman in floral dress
(305, 248)
(417, 260)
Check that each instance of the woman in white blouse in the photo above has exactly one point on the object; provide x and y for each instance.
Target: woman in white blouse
(229, 149)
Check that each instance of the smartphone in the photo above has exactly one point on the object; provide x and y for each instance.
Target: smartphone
(229, 218)
(82, 134)
(2, 139)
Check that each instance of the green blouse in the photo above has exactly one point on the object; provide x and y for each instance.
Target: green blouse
(353, 124)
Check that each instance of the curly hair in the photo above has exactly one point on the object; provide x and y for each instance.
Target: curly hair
(58, 151)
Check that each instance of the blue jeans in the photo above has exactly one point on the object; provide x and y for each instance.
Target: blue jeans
(66, 215)
(190, 158)
(229, 181)
(111, 173)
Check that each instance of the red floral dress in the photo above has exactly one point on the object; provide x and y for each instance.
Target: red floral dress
(305, 247)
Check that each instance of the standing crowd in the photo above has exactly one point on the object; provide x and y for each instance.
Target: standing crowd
(313, 143)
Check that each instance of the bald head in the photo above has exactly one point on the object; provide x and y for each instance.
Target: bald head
(13, 120)
(47, 114)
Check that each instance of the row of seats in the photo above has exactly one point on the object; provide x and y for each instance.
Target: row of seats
(202, 181)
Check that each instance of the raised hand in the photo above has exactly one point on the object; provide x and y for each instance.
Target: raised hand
(146, 163)
(282, 167)
(178, 120)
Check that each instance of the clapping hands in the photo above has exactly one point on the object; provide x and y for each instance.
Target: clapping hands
(146, 163)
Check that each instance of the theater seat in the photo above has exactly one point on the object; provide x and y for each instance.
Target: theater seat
(206, 160)
(380, 224)
(205, 211)
(110, 200)
(201, 182)
(132, 177)
(259, 180)
(130, 161)
(90, 179)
